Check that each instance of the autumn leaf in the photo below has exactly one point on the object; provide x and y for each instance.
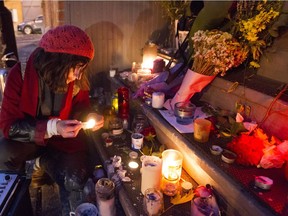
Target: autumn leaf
(146, 150)
(178, 199)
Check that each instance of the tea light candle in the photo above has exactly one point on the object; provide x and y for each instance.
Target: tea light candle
(133, 164)
(112, 72)
(158, 100)
(186, 187)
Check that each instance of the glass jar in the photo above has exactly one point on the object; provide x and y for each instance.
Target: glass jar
(184, 112)
(153, 202)
(109, 113)
(116, 126)
(139, 123)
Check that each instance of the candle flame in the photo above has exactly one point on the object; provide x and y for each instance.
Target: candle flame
(133, 164)
(89, 124)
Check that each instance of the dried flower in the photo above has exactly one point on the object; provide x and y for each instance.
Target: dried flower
(216, 52)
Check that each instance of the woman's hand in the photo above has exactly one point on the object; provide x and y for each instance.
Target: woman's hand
(99, 123)
(99, 120)
(68, 128)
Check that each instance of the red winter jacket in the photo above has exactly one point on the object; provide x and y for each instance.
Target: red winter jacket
(20, 103)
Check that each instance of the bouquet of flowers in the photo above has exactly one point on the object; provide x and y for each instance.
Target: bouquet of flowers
(154, 148)
(256, 24)
(257, 149)
(214, 52)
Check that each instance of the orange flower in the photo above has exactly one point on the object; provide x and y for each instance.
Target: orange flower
(249, 149)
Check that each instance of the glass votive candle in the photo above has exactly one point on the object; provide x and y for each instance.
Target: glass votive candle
(184, 112)
(139, 122)
(171, 171)
(153, 202)
(202, 129)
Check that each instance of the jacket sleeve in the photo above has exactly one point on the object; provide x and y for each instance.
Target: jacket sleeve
(15, 124)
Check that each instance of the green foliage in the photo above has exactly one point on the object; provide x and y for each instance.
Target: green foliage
(174, 9)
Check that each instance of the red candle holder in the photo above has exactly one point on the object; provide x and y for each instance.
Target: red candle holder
(123, 102)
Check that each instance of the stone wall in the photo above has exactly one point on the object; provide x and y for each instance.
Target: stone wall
(274, 120)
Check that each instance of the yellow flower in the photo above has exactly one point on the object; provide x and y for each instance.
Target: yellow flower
(254, 25)
(254, 64)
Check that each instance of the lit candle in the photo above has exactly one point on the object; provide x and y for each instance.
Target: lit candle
(89, 124)
(158, 100)
(171, 171)
(133, 165)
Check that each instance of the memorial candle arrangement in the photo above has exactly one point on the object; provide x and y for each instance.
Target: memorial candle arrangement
(171, 171)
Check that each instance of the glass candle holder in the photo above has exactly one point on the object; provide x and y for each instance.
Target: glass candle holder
(109, 113)
(105, 196)
(123, 102)
(153, 202)
(139, 122)
(115, 126)
(171, 171)
(184, 112)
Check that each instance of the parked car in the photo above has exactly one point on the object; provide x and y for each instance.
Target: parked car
(32, 26)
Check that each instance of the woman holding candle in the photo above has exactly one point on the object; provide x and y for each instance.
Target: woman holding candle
(43, 107)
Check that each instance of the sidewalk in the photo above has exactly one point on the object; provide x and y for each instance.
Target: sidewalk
(26, 45)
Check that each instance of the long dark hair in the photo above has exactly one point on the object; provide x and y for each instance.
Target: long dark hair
(53, 68)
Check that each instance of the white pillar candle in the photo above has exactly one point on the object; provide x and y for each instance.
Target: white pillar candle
(151, 173)
(112, 72)
(158, 100)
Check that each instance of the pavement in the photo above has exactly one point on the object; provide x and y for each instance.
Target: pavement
(26, 45)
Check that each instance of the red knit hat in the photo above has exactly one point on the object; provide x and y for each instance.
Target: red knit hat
(67, 39)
